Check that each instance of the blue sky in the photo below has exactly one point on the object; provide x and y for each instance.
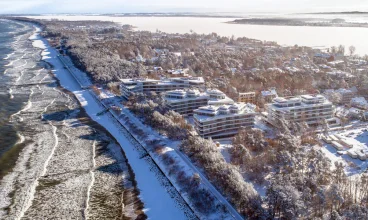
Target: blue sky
(121, 6)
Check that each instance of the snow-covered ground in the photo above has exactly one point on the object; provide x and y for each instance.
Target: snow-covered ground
(171, 149)
(225, 146)
(157, 201)
(358, 139)
(63, 163)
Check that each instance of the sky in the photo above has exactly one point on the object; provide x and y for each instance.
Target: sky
(134, 6)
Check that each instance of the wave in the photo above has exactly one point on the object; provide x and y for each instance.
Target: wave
(10, 63)
(26, 108)
(21, 75)
(9, 55)
(33, 187)
(10, 91)
(21, 139)
(45, 109)
(92, 179)
(25, 63)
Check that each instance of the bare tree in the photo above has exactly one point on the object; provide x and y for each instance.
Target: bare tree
(365, 57)
(341, 49)
(352, 50)
(333, 49)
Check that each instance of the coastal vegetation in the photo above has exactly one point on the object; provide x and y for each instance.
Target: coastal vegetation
(299, 180)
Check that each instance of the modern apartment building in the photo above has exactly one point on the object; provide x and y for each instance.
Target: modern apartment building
(359, 102)
(131, 86)
(185, 101)
(311, 109)
(269, 95)
(337, 75)
(346, 96)
(247, 97)
(223, 121)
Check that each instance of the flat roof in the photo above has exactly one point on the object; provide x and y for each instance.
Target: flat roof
(244, 108)
(164, 80)
(197, 95)
(283, 100)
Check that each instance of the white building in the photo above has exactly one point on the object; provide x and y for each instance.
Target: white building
(223, 121)
(346, 95)
(131, 86)
(311, 109)
(337, 74)
(359, 102)
(340, 96)
(269, 95)
(184, 102)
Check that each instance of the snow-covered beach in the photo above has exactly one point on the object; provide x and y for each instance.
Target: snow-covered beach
(65, 165)
(158, 202)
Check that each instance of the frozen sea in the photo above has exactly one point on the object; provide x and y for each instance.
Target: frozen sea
(319, 37)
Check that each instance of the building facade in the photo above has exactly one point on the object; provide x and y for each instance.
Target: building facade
(131, 86)
(346, 96)
(269, 95)
(312, 109)
(186, 101)
(223, 121)
(359, 102)
(247, 97)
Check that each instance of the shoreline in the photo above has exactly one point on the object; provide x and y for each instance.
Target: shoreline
(39, 184)
(285, 25)
(130, 191)
(148, 181)
(298, 22)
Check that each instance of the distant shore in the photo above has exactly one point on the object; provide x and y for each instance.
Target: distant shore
(336, 13)
(299, 22)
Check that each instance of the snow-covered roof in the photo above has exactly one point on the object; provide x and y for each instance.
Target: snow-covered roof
(344, 91)
(288, 103)
(322, 55)
(269, 92)
(194, 80)
(324, 66)
(211, 112)
(214, 97)
(360, 101)
(313, 97)
(354, 89)
(215, 92)
(336, 62)
(339, 73)
(353, 110)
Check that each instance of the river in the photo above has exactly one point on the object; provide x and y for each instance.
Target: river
(321, 37)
